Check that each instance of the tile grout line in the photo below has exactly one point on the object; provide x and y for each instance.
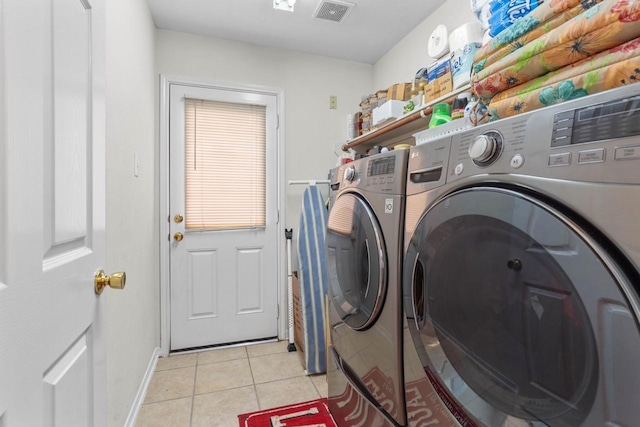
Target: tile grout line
(223, 390)
(253, 380)
(193, 393)
(316, 387)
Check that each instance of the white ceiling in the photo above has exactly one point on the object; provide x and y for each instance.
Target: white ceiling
(370, 30)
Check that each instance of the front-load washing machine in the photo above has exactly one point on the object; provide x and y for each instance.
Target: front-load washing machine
(521, 272)
(364, 264)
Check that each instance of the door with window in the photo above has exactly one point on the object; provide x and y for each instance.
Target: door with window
(224, 216)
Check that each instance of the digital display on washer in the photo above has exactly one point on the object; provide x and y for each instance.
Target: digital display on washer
(611, 120)
(383, 166)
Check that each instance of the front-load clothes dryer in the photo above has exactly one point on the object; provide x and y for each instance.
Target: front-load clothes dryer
(364, 263)
(521, 271)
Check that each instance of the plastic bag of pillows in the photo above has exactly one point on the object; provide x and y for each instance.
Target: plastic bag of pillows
(503, 14)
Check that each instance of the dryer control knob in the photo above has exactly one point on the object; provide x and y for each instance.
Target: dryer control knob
(486, 148)
(350, 174)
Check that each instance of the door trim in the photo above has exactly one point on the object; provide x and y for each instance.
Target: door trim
(163, 197)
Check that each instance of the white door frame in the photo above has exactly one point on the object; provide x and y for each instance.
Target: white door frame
(165, 242)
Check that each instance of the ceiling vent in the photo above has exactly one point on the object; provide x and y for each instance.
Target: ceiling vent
(333, 10)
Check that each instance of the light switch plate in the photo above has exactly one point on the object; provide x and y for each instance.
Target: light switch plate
(333, 102)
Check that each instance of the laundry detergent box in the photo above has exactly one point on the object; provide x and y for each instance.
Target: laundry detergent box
(461, 62)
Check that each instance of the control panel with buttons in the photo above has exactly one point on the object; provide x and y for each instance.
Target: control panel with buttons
(583, 140)
(376, 173)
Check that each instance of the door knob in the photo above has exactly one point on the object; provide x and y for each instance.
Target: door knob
(178, 237)
(115, 281)
(178, 218)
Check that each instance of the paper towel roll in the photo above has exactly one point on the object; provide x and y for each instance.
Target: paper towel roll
(464, 35)
(438, 44)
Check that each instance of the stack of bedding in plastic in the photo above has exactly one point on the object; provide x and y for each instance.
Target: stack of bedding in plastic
(504, 13)
(564, 49)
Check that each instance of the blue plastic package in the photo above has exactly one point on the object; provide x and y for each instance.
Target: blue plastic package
(505, 13)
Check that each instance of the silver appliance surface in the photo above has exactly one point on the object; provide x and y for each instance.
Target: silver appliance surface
(522, 267)
(364, 263)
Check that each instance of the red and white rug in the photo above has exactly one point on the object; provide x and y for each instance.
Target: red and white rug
(307, 414)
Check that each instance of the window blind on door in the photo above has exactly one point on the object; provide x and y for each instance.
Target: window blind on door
(225, 165)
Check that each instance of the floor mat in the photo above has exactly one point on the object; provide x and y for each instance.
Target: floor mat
(307, 414)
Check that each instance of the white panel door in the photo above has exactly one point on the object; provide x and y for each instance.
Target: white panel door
(52, 367)
(223, 282)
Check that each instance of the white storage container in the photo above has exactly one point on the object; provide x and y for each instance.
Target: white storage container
(440, 131)
(390, 110)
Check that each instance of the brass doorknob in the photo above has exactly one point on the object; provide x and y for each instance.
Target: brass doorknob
(178, 237)
(178, 218)
(115, 281)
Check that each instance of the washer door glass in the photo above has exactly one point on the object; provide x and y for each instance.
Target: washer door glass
(508, 302)
(356, 261)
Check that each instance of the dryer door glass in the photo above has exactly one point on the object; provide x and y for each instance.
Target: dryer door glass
(517, 312)
(356, 261)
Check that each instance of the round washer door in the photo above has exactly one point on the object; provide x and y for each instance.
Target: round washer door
(356, 261)
(518, 316)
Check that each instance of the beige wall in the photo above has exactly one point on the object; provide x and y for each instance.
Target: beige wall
(312, 132)
(401, 63)
(311, 128)
(132, 221)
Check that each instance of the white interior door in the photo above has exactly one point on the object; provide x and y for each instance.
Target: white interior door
(223, 272)
(52, 367)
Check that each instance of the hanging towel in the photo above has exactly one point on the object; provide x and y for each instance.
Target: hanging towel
(313, 278)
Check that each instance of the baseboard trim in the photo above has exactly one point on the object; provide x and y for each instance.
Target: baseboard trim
(142, 391)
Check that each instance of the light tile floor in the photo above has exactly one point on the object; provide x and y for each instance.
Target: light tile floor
(211, 388)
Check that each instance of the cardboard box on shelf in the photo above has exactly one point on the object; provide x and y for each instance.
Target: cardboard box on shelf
(366, 120)
(357, 118)
(382, 97)
(373, 101)
(438, 87)
(365, 107)
(399, 92)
